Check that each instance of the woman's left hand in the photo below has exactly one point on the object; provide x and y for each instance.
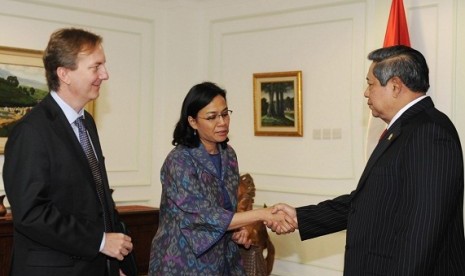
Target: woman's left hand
(241, 236)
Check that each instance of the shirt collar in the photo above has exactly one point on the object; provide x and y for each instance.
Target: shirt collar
(400, 112)
(70, 113)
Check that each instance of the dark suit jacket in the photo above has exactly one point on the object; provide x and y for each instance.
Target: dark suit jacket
(58, 219)
(406, 215)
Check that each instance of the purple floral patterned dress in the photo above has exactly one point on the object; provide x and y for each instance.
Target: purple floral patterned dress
(192, 238)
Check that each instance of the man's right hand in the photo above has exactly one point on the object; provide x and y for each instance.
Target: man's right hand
(117, 245)
(289, 211)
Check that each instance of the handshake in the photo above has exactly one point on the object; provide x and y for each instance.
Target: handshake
(281, 219)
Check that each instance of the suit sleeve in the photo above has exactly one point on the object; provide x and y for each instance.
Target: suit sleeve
(327, 217)
(433, 180)
(27, 178)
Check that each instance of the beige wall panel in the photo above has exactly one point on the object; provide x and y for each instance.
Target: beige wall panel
(326, 44)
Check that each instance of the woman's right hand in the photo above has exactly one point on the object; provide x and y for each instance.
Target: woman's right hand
(283, 219)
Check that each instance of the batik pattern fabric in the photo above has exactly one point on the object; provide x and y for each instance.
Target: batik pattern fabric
(192, 237)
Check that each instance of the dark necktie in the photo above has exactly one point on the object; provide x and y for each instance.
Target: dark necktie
(95, 168)
(383, 134)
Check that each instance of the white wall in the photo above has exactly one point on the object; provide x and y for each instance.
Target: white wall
(156, 50)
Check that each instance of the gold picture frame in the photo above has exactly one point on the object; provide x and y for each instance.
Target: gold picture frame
(278, 103)
(22, 85)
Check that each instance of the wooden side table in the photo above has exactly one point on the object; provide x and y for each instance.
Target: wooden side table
(6, 243)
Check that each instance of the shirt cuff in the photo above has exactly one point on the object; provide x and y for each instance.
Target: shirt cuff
(102, 244)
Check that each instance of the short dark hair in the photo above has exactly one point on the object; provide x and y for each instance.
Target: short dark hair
(199, 96)
(404, 62)
(62, 51)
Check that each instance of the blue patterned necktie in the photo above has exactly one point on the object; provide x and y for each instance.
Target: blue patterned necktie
(95, 168)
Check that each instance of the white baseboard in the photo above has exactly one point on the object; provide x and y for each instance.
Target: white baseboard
(285, 268)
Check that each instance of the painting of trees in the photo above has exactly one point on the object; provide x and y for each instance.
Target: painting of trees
(277, 103)
(22, 85)
(16, 99)
(279, 109)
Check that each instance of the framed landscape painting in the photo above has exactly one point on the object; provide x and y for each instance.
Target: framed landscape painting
(278, 103)
(22, 86)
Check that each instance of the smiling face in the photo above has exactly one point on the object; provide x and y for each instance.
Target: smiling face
(82, 85)
(380, 98)
(211, 128)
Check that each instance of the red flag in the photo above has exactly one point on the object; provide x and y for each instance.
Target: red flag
(397, 30)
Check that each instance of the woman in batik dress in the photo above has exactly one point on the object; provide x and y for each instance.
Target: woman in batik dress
(199, 230)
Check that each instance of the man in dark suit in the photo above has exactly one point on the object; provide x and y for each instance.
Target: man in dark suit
(406, 215)
(62, 226)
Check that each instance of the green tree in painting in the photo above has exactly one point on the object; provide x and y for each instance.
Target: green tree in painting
(12, 94)
(13, 81)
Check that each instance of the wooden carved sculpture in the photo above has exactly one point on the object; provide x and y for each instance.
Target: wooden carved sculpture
(255, 263)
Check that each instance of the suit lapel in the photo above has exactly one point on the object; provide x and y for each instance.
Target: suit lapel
(64, 130)
(92, 130)
(393, 134)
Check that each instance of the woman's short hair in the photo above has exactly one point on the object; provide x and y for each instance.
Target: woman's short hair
(199, 96)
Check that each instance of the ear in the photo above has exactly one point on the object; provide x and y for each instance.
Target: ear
(62, 74)
(397, 85)
(192, 122)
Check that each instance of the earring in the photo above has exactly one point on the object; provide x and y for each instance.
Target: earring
(195, 132)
